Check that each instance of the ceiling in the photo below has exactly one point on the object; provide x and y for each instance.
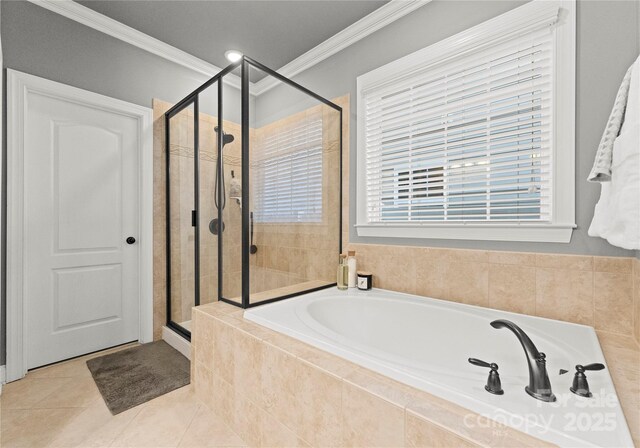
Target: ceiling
(272, 32)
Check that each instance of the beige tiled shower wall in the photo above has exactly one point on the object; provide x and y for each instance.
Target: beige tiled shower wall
(159, 241)
(293, 253)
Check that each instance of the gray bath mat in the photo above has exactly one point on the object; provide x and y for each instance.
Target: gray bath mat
(139, 374)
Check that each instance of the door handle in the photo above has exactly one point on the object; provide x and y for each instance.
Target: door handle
(131, 240)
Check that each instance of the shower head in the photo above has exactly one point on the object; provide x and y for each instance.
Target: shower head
(226, 138)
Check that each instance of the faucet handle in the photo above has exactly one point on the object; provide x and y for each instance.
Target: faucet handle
(594, 366)
(494, 385)
(479, 363)
(580, 385)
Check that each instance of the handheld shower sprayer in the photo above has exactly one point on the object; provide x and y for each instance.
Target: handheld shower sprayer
(214, 226)
(226, 139)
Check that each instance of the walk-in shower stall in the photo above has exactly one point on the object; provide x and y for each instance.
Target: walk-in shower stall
(253, 192)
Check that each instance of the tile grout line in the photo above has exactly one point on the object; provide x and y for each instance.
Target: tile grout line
(125, 427)
(593, 291)
(34, 406)
(633, 301)
(535, 289)
(404, 428)
(190, 423)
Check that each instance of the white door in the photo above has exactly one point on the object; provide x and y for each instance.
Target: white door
(81, 202)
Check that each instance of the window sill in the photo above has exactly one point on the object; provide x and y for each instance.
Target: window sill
(547, 233)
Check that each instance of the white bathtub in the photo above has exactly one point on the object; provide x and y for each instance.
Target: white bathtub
(425, 343)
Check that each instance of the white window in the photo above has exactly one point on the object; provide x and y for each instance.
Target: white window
(473, 137)
(287, 171)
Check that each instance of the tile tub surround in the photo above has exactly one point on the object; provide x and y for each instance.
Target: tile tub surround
(276, 391)
(601, 292)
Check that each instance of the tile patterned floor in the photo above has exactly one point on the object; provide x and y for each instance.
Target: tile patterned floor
(60, 406)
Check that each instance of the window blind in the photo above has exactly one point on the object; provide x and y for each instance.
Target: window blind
(467, 140)
(287, 163)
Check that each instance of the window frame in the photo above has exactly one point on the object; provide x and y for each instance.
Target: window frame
(534, 15)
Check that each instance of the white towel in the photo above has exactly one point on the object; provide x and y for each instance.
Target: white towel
(617, 214)
(601, 170)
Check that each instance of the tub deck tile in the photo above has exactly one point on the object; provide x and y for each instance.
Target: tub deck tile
(303, 396)
(383, 387)
(420, 433)
(623, 358)
(474, 429)
(369, 421)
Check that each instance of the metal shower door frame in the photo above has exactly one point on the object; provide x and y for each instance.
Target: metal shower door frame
(246, 293)
(193, 99)
(194, 213)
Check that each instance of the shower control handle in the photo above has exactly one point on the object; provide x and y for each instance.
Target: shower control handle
(130, 240)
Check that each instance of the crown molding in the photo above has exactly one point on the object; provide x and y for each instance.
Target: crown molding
(381, 17)
(100, 22)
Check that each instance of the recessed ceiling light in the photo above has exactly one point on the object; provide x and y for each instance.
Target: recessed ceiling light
(233, 55)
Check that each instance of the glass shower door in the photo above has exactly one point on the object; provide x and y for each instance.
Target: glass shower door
(182, 233)
(295, 187)
(207, 177)
(203, 205)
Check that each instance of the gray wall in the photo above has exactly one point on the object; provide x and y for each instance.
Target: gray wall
(607, 43)
(45, 44)
(42, 43)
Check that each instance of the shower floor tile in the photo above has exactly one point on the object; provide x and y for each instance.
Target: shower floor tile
(60, 406)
